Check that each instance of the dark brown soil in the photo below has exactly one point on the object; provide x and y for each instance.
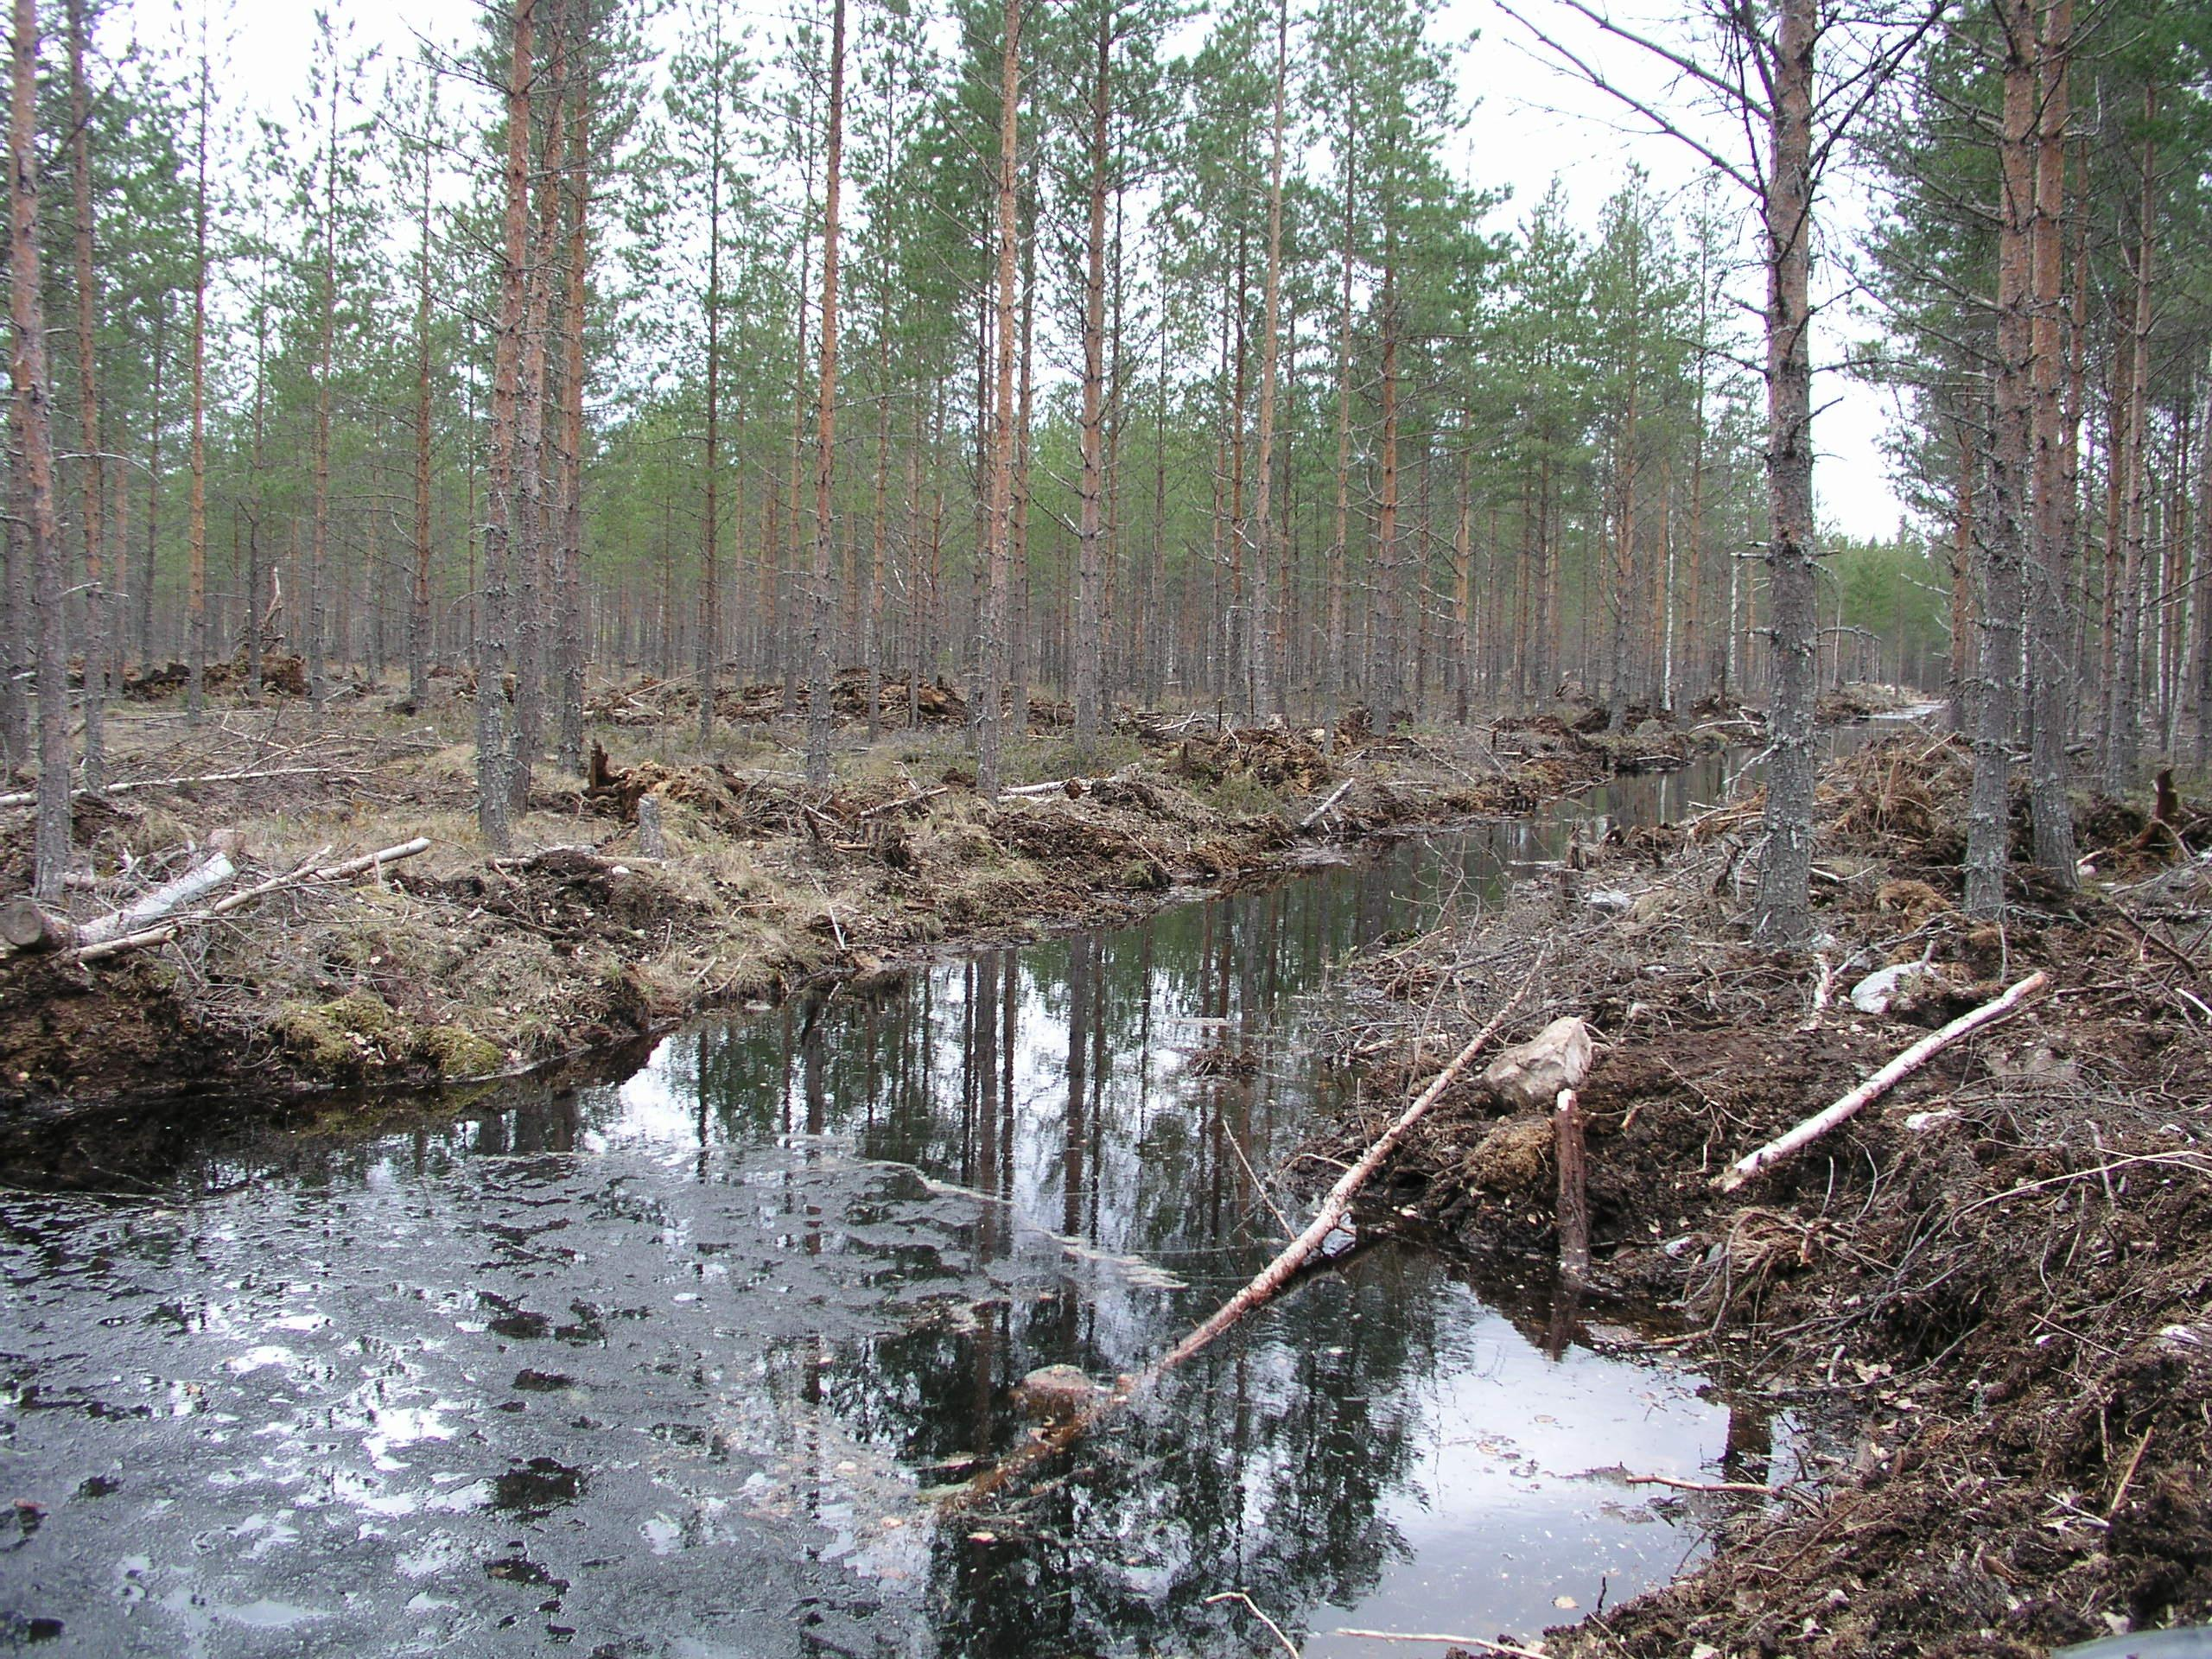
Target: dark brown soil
(1999, 1277)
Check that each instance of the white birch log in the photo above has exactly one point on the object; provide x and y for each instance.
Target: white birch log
(1875, 1087)
(186, 890)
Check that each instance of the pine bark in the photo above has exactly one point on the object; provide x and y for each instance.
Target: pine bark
(1264, 506)
(196, 529)
(1785, 870)
(1995, 728)
(2124, 704)
(34, 477)
(2052, 671)
(319, 533)
(531, 516)
(998, 517)
(494, 817)
(577, 196)
(1091, 529)
(710, 530)
(821, 666)
(99, 604)
(418, 607)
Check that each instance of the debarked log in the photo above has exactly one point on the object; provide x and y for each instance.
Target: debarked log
(28, 926)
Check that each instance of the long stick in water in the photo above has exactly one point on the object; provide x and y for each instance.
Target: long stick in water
(1331, 1215)
(1264, 1287)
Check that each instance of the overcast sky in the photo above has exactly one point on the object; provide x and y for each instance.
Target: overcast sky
(1526, 124)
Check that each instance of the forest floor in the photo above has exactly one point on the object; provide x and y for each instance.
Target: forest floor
(1989, 1295)
(457, 965)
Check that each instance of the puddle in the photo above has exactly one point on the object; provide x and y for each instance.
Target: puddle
(683, 1363)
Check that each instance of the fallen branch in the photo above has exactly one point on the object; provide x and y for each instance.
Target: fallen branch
(905, 801)
(1322, 810)
(1330, 1217)
(29, 796)
(1748, 1488)
(28, 926)
(1073, 788)
(1265, 1285)
(305, 876)
(1253, 1607)
(1434, 1636)
(1875, 1087)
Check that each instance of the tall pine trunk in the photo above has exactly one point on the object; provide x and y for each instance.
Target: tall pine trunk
(2052, 671)
(822, 664)
(196, 596)
(99, 604)
(1785, 869)
(576, 195)
(418, 607)
(1089, 649)
(530, 506)
(1263, 508)
(494, 817)
(1995, 726)
(2124, 704)
(999, 516)
(33, 491)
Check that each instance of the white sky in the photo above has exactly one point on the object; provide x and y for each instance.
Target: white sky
(1526, 124)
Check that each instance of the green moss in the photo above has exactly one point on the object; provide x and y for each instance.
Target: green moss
(1145, 876)
(335, 1039)
(459, 1052)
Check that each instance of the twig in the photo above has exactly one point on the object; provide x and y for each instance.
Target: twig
(904, 801)
(1322, 810)
(29, 796)
(2119, 1494)
(1876, 1086)
(1289, 1646)
(1432, 1635)
(302, 877)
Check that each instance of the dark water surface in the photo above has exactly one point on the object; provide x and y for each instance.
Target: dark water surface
(683, 1364)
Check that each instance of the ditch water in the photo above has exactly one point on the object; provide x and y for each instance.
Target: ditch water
(683, 1364)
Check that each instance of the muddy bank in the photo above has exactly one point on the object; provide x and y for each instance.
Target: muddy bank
(456, 965)
(2000, 1273)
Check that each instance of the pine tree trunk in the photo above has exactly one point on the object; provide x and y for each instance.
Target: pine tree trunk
(2125, 708)
(821, 666)
(494, 817)
(1785, 870)
(1091, 529)
(196, 597)
(34, 472)
(418, 607)
(1339, 548)
(142, 589)
(570, 654)
(710, 581)
(1020, 642)
(1264, 702)
(2052, 676)
(999, 520)
(532, 516)
(1988, 818)
(319, 534)
(99, 607)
